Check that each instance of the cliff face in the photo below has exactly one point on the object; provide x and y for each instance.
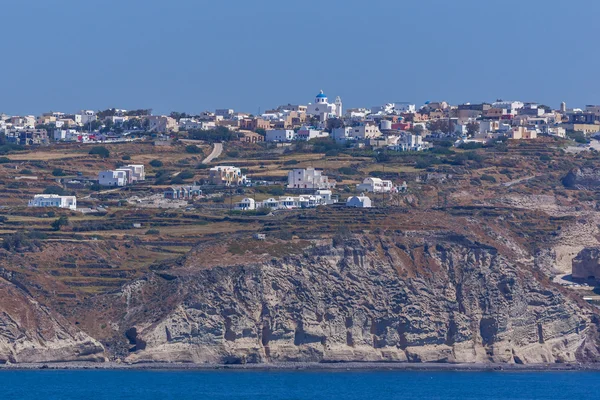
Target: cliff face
(368, 298)
(31, 333)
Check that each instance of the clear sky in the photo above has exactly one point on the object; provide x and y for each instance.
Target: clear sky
(193, 55)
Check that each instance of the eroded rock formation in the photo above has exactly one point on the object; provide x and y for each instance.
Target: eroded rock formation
(31, 333)
(587, 264)
(369, 298)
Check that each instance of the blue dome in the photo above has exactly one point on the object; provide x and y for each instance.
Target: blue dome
(321, 95)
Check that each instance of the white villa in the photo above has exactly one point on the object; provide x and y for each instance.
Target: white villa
(375, 185)
(122, 176)
(113, 178)
(308, 178)
(53, 200)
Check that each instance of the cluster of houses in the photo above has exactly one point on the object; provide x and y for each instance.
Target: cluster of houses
(399, 126)
(122, 176)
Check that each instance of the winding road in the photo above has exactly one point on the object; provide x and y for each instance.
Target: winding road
(216, 152)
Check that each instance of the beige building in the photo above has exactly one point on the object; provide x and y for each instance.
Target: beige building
(588, 129)
(225, 175)
(521, 132)
(162, 124)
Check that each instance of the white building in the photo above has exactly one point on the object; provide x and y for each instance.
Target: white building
(112, 178)
(137, 172)
(308, 178)
(508, 105)
(319, 198)
(323, 109)
(394, 109)
(375, 185)
(226, 113)
(280, 135)
(84, 117)
(53, 200)
(342, 134)
(358, 202)
(410, 142)
(190, 123)
(66, 135)
(307, 133)
(247, 204)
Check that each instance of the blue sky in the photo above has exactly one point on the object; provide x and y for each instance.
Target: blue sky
(192, 55)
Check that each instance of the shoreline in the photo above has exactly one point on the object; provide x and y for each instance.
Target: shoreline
(304, 366)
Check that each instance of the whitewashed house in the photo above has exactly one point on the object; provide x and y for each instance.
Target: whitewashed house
(112, 178)
(53, 200)
(376, 185)
(358, 202)
(247, 204)
(280, 135)
(308, 178)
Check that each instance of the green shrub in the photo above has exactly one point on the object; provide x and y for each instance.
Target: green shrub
(152, 232)
(126, 157)
(156, 163)
(60, 222)
(291, 162)
(58, 172)
(100, 150)
(26, 172)
(56, 190)
(4, 160)
(348, 171)
(488, 178)
(192, 149)
(187, 174)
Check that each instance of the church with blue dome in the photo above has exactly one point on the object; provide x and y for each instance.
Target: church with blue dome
(324, 110)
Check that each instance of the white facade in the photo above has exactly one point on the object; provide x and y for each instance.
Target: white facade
(375, 185)
(190, 123)
(323, 109)
(246, 204)
(112, 178)
(224, 112)
(138, 172)
(508, 105)
(307, 133)
(53, 200)
(85, 117)
(67, 135)
(280, 135)
(394, 109)
(358, 202)
(309, 178)
(342, 134)
(320, 198)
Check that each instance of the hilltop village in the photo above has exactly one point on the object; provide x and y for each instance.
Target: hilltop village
(155, 238)
(383, 130)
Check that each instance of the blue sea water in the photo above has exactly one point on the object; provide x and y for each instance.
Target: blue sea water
(295, 385)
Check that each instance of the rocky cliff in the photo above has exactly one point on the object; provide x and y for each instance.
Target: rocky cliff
(587, 264)
(31, 333)
(395, 297)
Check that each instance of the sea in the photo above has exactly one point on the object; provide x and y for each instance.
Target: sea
(295, 385)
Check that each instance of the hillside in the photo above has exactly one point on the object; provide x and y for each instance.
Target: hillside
(471, 264)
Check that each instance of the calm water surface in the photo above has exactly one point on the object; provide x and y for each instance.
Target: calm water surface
(294, 385)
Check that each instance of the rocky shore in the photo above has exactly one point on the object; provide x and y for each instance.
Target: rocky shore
(306, 366)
